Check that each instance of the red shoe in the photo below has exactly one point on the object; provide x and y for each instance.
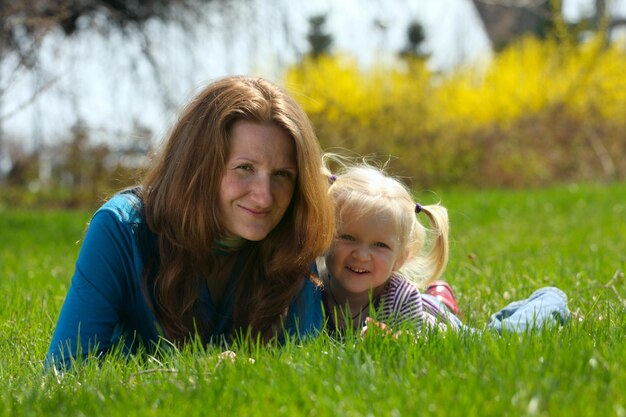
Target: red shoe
(443, 291)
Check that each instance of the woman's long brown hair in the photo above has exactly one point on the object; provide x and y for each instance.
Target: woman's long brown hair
(180, 194)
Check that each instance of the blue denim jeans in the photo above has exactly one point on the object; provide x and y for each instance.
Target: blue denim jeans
(544, 308)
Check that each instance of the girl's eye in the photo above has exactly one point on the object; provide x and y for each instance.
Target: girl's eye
(381, 245)
(346, 238)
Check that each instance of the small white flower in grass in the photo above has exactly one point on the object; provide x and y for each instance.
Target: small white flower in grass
(593, 362)
(578, 315)
(533, 406)
(227, 355)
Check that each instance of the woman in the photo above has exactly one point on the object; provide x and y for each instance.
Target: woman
(218, 239)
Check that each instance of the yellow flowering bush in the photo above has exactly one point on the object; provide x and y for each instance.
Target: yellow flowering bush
(350, 108)
(540, 111)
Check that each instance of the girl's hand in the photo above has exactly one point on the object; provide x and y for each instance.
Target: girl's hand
(378, 328)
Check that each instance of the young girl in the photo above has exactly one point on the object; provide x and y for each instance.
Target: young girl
(378, 243)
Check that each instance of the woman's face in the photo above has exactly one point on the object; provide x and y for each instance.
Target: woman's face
(259, 179)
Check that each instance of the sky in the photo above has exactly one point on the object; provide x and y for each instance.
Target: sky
(104, 80)
(575, 9)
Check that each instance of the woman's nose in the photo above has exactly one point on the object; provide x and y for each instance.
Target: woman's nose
(262, 191)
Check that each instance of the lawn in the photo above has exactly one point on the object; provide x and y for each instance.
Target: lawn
(504, 243)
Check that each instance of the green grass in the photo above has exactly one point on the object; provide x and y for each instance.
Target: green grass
(505, 244)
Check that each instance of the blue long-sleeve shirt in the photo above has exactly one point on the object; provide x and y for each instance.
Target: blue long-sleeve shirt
(106, 302)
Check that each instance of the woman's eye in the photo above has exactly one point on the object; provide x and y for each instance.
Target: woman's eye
(245, 167)
(284, 174)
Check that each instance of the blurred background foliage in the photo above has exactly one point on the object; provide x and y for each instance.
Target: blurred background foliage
(547, 107)
(540, 112)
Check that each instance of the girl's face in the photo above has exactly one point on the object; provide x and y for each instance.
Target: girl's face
(364, 253)
(259, 179)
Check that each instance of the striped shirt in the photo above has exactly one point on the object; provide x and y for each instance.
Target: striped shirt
(401, 304)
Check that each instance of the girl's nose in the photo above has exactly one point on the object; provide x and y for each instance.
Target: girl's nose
(361, 253)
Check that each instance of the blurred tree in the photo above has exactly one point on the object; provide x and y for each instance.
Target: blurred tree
(603, 21)
(319, 41)
(25, 23)
(507, 20)
(34, 16)
(415, 38)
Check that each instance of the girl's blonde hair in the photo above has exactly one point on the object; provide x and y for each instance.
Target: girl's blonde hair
(364, 190)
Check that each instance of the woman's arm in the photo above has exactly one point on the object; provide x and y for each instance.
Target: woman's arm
(99, 291)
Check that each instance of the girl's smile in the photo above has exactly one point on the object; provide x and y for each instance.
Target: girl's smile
(364, 254)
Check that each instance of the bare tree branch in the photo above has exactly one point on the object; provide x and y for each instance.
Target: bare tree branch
(33, 97)
(146, 50)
